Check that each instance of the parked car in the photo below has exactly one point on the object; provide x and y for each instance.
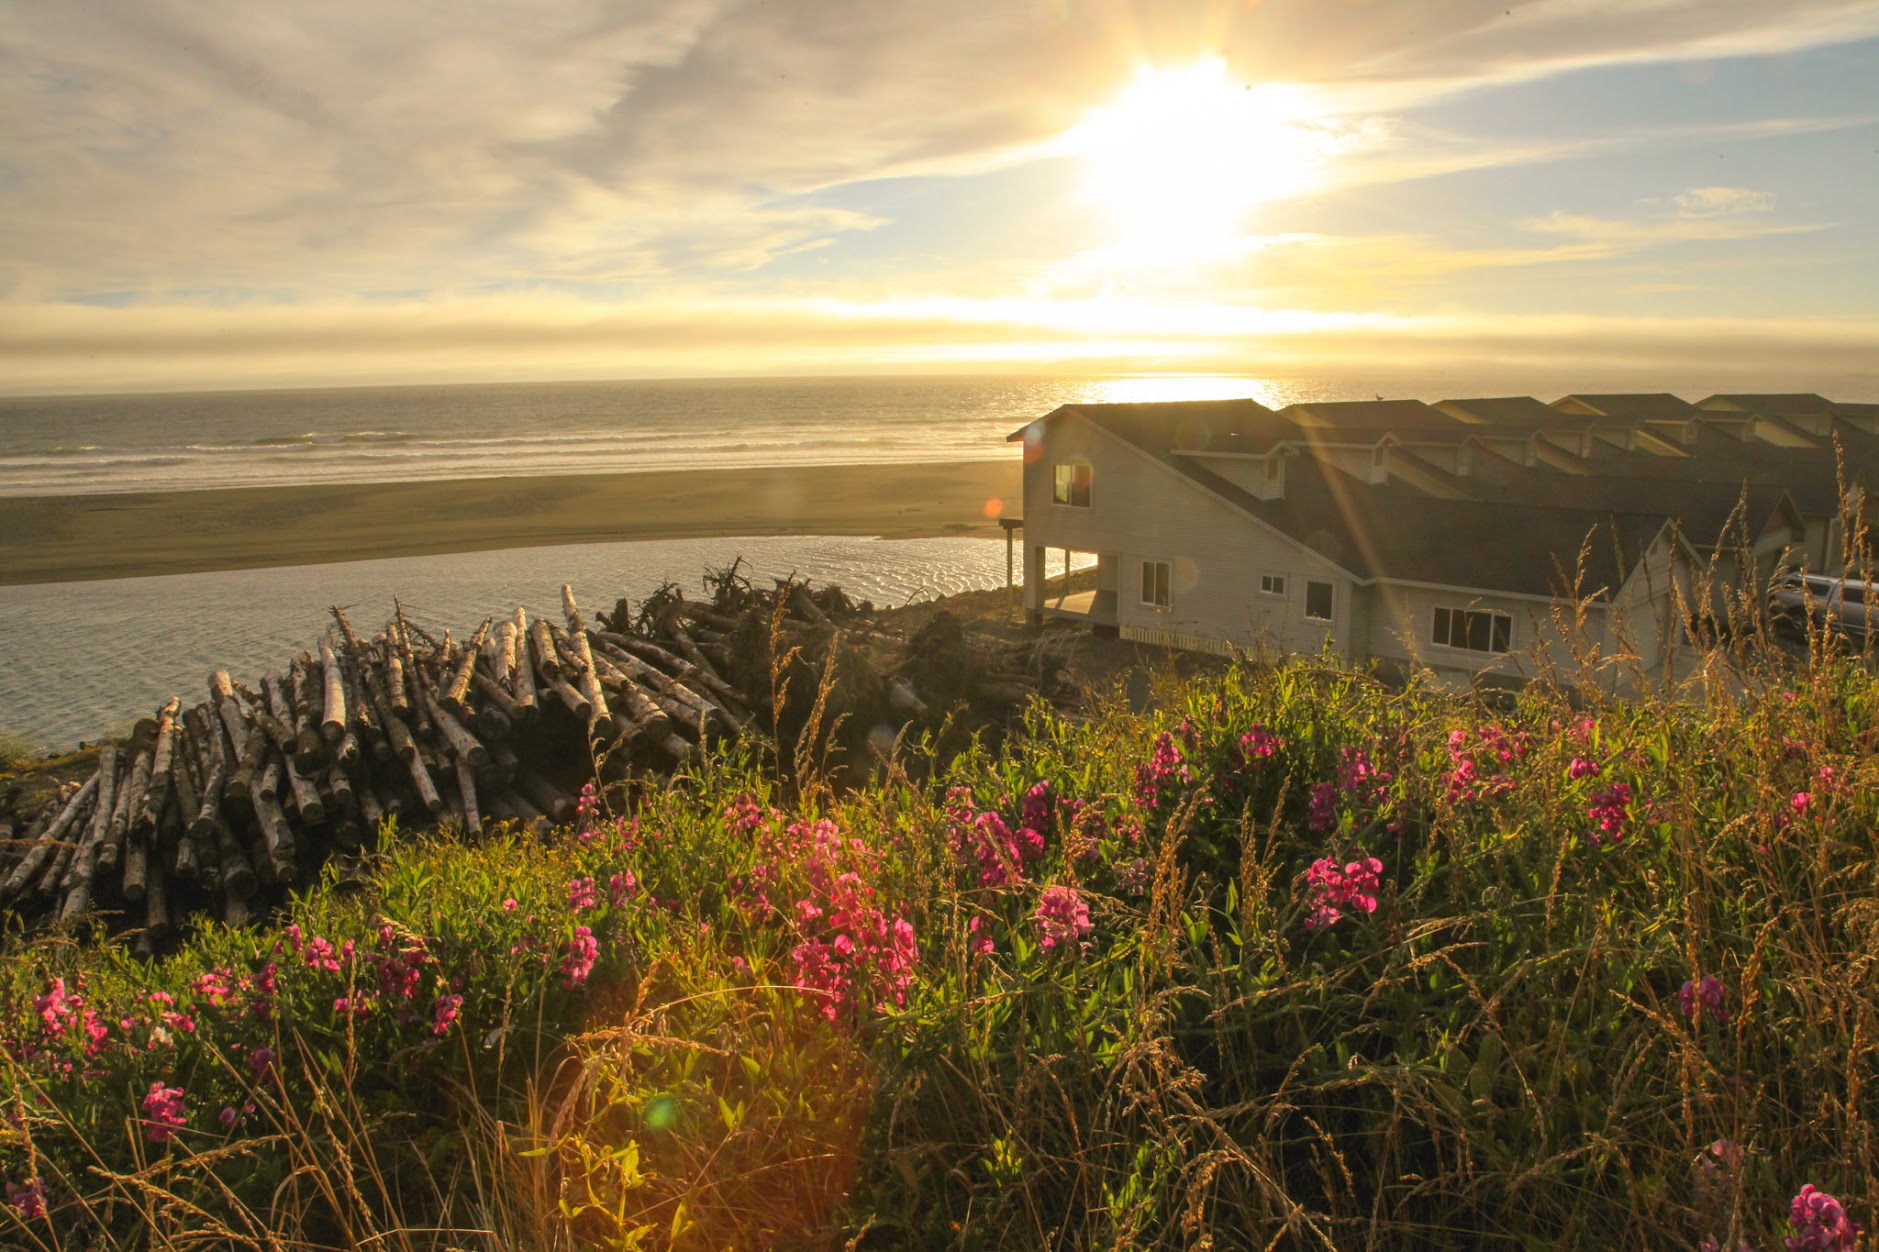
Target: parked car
(1849, 604)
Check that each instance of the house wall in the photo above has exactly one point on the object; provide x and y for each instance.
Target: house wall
(1141, 510)
(1402, 624)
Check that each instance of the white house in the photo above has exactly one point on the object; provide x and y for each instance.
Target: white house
(1468, 536)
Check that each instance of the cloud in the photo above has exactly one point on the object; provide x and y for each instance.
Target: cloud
(1703, 214)
(1723, 201)
(538, 336)
(162, 145)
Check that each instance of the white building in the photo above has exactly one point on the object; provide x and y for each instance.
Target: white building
(1452, 535)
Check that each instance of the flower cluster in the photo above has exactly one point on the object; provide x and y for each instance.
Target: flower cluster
(1333, 890)
(164, 1113)
(1820, 1223)
(851, 953)
(582, 952)
(982, 839)
(1467, 781)
(28, 1198)
(1164, 763)
(1359, 780)
(1063, 918)
(1701, 998)
(1610, 810)
(1258, 743)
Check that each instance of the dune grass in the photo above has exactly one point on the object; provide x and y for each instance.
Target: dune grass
(1294, 959)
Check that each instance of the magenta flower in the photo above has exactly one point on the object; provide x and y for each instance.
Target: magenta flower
(164, 1113)
(444, 1012)
(227, 1116)
(581, 894)
(28, 1198)
(1258, 743)
(743, 816)
(1698, 999)
(1582, 768)
(57, 1008)
(1610, 809)
(1164, 763)
(1322, 815)
(977, 943)
(1820, 1223)
(1063, 916)
(1332, 890)
(583, 952)
(621, 886)
(261, 1063)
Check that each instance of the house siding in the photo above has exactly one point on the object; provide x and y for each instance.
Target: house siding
(1402, 621)
(1141, 510)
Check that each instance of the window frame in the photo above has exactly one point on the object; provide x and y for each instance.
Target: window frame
(1065, 496)
(1272, 585)
(1331, 591)
(1500, 626)
(1162, 586)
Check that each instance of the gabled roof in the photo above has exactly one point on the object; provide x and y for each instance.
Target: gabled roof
(1639, 406)
(1782, 404)
(1398, 533)
(1521, 413)
(1245, 426)
(1365, 415)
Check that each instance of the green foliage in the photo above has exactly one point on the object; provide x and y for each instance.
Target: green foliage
(1244, 1043)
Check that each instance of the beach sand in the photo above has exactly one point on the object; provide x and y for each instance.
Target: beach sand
(71, 538)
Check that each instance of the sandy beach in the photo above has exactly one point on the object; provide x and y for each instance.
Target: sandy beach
(71, 538)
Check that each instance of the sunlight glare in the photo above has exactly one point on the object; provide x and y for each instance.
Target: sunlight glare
(1184, 152)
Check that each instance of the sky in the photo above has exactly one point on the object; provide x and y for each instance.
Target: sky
(218, 193)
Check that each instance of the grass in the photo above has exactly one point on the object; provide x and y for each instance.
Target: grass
(1081, 992)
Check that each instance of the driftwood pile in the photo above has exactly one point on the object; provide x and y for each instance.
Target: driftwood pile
(222, 806)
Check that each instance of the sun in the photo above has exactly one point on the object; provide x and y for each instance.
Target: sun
(1183, 153)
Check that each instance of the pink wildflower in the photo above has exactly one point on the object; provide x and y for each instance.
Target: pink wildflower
(1164, 763)
(1333, 890)
(1063, 916)
(320, 955)
(28, 1198)
(261, 1063)
(57, 1008)
(1258, 743)
(227, 1116)
(212, 987)
(1581, 767)
(509, 905)
(163, 1112)
(1698, 999)
(621, 886)
(1322, 814)
(978, 944)
(444, 1012)
(581, 894)
(1820, 1223)
(583, 952)
(1610, 809)
(743, 816)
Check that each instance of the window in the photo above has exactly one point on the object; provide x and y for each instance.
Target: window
(1272, 584)
(1071, 485)
(1155, 583)
(1272, 469)
(1474, 629)
(1318, 601)
(1852, 593)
